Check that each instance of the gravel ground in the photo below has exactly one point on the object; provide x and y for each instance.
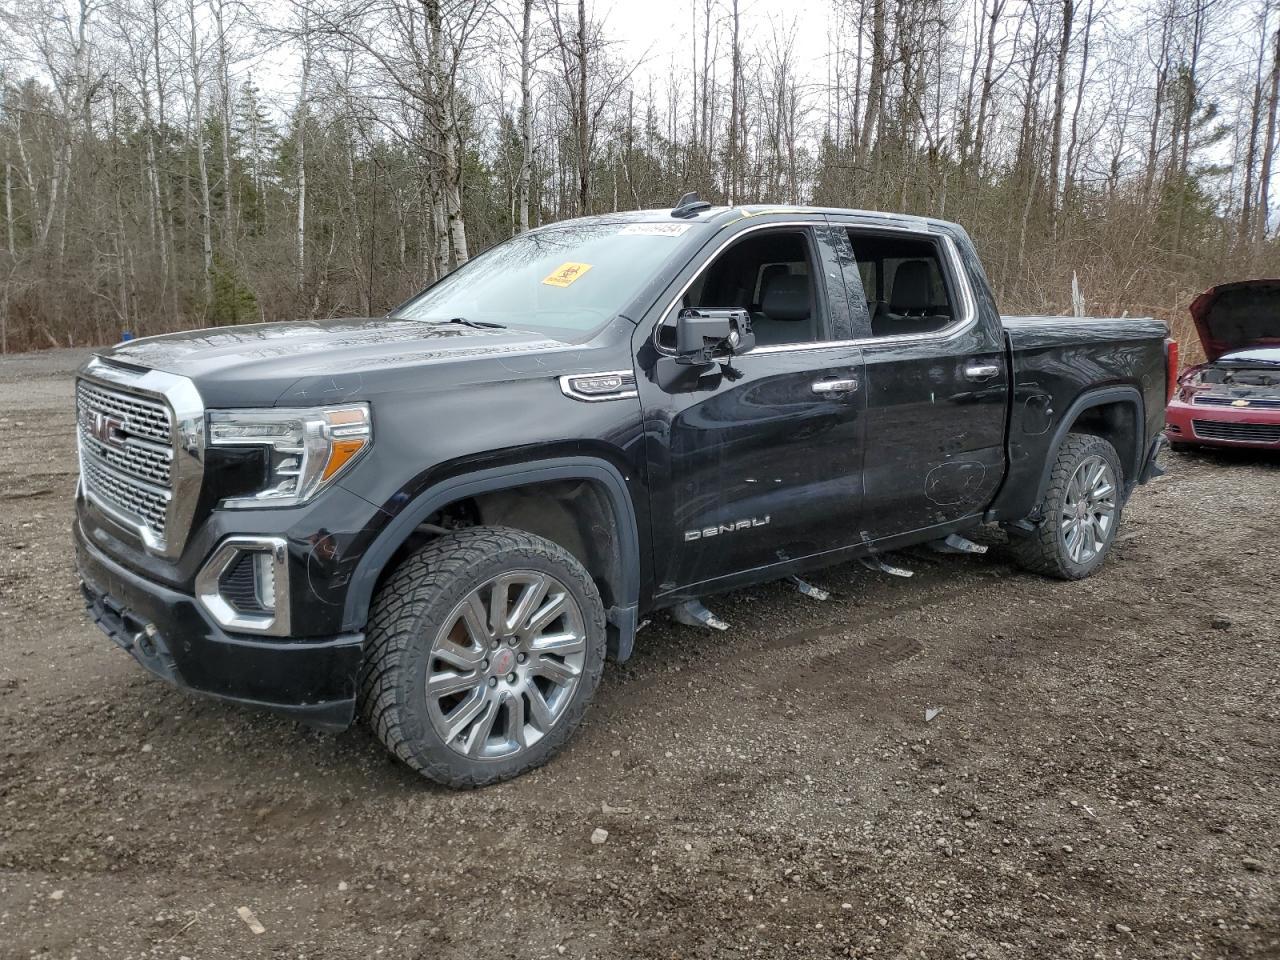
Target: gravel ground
(1103, 779)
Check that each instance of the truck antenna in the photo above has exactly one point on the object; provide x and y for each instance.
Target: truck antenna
(689, 205)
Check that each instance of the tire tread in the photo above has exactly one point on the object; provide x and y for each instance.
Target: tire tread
(395, 625)
(1041, 552)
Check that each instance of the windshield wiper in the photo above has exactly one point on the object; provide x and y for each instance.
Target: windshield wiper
(477, 324)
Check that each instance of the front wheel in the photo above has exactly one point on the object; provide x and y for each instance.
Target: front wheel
(484, 649)
(1081, 508)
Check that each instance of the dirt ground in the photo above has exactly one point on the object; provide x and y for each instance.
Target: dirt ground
(1103, 779)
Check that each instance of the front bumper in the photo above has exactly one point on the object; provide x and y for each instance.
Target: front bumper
(1254, 428)
(311, 680)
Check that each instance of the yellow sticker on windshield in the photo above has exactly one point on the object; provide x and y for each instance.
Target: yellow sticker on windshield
(565, 274)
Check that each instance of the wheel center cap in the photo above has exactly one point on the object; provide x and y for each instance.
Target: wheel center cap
(502, 661)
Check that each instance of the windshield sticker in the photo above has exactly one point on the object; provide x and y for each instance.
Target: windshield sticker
(653, 229)
(566, 274)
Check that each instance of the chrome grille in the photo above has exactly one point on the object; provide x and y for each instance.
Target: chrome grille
(139, 500)
(1234, 430)
(141, 416)
(1265, 403)
(126, 454)
(144, 461)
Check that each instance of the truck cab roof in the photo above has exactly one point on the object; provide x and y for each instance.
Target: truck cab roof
(723, 216)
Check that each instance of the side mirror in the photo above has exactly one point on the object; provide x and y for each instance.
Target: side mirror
(711, 336)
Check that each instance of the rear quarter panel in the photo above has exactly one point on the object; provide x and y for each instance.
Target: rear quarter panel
(1056, 362)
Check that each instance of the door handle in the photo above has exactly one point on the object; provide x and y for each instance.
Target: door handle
(834, 386)
(981, 371)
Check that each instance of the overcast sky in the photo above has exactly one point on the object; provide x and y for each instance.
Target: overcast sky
(663, 28)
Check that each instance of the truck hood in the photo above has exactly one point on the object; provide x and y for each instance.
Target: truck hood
(257, 364)
(1237, 316)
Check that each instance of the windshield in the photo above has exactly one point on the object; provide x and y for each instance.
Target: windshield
(566, 280)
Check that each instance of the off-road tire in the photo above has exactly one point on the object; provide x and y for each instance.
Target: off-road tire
(1045, 551)
(408, 611)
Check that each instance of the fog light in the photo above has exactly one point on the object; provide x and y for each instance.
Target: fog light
(264, 579)
(244, 585)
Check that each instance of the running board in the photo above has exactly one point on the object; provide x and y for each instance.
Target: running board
(809, 590)
(875, 562)
(954, 543)
(692, 613)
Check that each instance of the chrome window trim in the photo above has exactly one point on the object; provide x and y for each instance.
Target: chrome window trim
(569, 389)
(186, 436)
(208, 590)
(968, 303)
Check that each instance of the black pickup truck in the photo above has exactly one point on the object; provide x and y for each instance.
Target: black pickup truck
(448, 518)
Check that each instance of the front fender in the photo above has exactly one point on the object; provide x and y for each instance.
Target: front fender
(423, 505)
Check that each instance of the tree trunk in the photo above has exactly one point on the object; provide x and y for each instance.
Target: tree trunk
(526, 115)
(1059, 108)
(875, 83)
(584, 130)
(1268, 148)
(734, 106)
(300, 248)
(229, 228)
(202, 166)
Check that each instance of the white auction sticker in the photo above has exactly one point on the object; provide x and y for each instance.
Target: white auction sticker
(653, 229)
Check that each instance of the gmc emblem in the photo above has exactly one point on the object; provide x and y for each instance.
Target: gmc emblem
(107, 429)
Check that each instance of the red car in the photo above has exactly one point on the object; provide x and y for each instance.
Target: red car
(1232, 399)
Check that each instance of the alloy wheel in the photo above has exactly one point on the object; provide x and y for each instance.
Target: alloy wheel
(1089, 509)
(504, 667)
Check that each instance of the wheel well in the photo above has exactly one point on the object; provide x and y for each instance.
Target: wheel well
(575, 513)
(1117, 423)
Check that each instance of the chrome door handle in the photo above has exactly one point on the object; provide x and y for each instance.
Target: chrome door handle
(981, 371)
(834, 386)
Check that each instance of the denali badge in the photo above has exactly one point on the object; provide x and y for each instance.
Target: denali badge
(733, 527)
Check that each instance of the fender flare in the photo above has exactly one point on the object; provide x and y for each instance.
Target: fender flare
(1128, 395)
(623, 617)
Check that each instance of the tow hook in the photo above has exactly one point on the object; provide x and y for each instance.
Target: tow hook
(143, 640)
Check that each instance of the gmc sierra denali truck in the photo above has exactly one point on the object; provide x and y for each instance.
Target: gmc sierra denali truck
(447, 518)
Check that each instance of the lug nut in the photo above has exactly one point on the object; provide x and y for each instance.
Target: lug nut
(511, 678)
(521, 658)
(484, 664)
(493, 681)
(512, 640)
(493, 644)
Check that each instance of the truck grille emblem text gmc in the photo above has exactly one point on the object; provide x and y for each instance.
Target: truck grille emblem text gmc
(733, 527)
(106, 429)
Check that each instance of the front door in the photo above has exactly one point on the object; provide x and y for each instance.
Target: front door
(758, 463)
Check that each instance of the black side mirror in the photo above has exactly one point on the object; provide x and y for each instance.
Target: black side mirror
(711, 336)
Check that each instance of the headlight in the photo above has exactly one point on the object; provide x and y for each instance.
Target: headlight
(306, 448)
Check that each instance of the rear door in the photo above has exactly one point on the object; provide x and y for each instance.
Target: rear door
(937, 382)
(759, 463)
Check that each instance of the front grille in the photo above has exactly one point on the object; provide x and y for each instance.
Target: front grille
(142, 416)
(1243, 432)
(126, 454)
(1265, 403)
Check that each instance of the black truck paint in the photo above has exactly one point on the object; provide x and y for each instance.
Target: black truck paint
(673, 489)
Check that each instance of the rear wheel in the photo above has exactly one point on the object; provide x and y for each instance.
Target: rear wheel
(1081, 509)
(484, 649)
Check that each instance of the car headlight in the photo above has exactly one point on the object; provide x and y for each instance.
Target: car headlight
(306, 448)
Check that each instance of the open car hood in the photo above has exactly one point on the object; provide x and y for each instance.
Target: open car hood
(1233, 316)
